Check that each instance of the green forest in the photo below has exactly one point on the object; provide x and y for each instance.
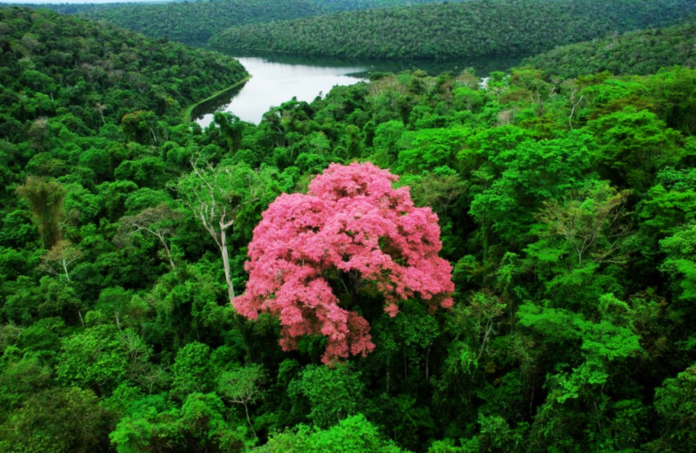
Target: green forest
(195, 22)
(90, 74)
(192, 22)
(454, 30)
(533, 290)
(638, 52)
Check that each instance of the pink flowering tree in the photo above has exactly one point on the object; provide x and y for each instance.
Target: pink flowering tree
(313, 255)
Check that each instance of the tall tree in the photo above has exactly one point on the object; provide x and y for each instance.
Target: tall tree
(45, 200)
(158, 222)
(61, 258)
(216, 195)
(242, 386)
(351, 230)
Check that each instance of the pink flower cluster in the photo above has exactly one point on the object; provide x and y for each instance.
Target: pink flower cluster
(351, 222)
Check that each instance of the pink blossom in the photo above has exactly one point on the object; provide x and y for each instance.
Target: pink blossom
(351, 225)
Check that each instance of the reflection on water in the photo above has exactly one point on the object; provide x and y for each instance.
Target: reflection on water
(278, 78)
(274, 83)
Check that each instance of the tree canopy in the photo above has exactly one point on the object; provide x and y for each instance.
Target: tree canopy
(351, 229)
(638, 52)
(195, 22)
(551, 222)
(453, 30)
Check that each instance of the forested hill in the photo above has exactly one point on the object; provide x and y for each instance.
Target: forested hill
(195, 22)
(505, 268)
(454, 30)
(91, 73)
(638, 52)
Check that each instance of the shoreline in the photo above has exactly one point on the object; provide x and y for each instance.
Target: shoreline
(189, 110)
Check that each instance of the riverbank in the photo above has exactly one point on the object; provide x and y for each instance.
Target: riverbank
(305, 78)
(189, 110)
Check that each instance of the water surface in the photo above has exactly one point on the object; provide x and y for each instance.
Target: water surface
(277, 78)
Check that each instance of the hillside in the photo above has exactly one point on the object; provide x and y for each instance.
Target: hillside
(413, 264)
(53, 65)
(454, 30)
(195, 22)
(638, 52)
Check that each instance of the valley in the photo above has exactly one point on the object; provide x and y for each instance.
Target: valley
(412, 227)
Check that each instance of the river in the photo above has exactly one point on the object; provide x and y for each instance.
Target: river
(278, 78)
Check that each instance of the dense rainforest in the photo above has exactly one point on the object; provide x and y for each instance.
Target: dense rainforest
(637, 52)
(455, 30)
(91, 73)
(195, 22)
(192, 22)
(537, 296)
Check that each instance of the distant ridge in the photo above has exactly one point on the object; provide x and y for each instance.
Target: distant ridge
(194, 22)
(455, 30)
(639, 52)
(53, 64)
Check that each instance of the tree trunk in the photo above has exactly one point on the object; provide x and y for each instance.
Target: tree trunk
(166, 250)
(246, 409)
(226, 264)
(64, 262)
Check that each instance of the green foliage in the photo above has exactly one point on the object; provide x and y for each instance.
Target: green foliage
(430, 149)
(100, 358)
(241, 386)
(154, 425)
(68, 68)
(520, 27)
(676, 405)
(680, 263)
(633, 143)
(57, 420)
(22, 378)
(333, 394)
(637, 52)
(194, 22)
(45, 200)
(580, 237)
(566, 208)
(191, 371)
(354, 434)
(531, 173)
